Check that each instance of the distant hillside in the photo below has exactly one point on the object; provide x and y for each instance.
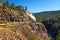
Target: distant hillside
(48, 12)
(47, 15)
(51, 19)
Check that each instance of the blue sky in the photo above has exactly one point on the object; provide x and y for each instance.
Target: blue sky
(38, 5)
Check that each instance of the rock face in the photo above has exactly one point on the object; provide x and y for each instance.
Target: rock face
(12, 16)
(31, 31)
(34, 28)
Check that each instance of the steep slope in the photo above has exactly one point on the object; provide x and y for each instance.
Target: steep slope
(28, 31)
(11, 35)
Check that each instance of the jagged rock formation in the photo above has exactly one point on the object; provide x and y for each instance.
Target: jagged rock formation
(31, 31)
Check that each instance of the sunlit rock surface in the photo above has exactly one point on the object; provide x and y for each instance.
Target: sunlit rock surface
(28, 31)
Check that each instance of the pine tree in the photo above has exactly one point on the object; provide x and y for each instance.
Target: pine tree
(6, 4)
(0, 4)
(25, 8)
(12, 6)
(0, 1)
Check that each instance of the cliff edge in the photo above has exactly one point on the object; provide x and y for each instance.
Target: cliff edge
(29, 29)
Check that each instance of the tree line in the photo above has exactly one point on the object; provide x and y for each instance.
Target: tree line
(7, 5)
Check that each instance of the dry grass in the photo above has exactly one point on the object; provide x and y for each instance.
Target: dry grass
(11, 24)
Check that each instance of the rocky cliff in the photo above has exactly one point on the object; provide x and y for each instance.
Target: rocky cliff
(28, 31)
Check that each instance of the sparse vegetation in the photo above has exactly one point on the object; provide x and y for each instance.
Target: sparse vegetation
(11, 23)
(8, 6)
(19, 26)
(58, 37)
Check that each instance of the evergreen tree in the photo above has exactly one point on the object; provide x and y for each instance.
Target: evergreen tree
(0, 1)
(13, 6)
(0, 4)
(18, 7)
(6, 4)
(25, 8)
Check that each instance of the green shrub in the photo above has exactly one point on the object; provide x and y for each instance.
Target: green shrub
(58, 37)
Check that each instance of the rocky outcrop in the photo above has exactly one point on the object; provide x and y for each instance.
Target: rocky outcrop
(30, 31)
(33, 28)
(18, 16)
